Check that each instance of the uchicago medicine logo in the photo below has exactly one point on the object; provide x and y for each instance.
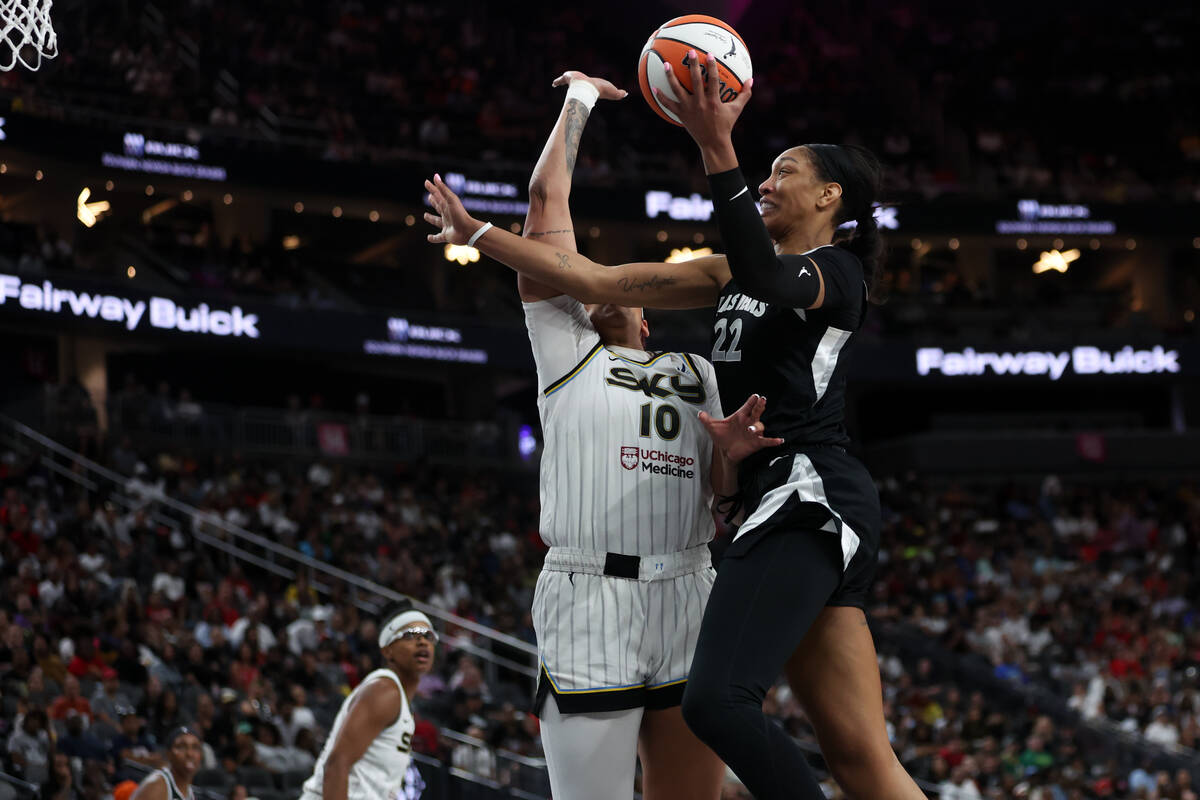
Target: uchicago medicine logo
(657, 462)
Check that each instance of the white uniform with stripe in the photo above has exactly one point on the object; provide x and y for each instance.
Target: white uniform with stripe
(173, 792)
(379, 773)
(626, 470)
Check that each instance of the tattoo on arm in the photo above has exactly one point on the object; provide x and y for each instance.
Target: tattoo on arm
(653, 282)
(576, 118)
(564, 262)
(535, 234)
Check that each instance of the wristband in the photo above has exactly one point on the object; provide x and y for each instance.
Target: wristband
(584, 92)
(484, 228)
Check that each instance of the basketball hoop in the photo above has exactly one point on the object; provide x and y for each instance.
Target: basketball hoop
(26, 34)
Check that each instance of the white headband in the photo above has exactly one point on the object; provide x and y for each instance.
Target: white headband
(391, 632)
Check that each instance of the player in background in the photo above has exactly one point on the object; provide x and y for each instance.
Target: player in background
(627, 480)
(369, 747)
(791, 589)
(185, 751)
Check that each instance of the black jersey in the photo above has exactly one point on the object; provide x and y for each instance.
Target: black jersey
(795, 357)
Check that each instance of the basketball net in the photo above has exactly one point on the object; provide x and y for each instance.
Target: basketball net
(26, 35)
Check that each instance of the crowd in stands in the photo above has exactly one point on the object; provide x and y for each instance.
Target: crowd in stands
(1088, 591)
(409, 80)
(114, 627)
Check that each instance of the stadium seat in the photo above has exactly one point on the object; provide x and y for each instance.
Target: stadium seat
(293, 779)
(216, 778)
(254, 778)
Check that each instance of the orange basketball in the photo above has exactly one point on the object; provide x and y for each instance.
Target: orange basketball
(670, 44)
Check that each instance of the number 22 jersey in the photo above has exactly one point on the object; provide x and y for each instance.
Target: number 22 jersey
(626, 461)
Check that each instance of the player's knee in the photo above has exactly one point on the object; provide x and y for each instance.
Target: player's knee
(706, 709)
(696, 711)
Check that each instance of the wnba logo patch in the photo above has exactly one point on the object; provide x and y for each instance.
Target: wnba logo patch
(629, 457)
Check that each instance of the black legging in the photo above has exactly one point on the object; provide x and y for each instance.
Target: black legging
(762, 604)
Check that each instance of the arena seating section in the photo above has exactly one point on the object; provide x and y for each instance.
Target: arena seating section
(379, 81)
(1030, 636)
(1037, 640)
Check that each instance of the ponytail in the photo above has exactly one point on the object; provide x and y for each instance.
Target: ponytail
(866, 243)
(858, 172)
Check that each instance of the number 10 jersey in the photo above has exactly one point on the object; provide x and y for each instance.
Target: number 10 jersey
(626, 461)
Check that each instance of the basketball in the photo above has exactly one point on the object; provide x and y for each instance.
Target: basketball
(670, 44)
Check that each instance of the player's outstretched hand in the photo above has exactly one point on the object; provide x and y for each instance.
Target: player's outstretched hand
(741, 434)
(455, 223)
(606, 89)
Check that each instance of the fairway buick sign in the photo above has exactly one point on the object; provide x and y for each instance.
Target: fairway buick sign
(1050, 364)
(128, 312)
(121, 308)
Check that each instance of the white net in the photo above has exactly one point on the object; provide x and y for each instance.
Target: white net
(26, 35)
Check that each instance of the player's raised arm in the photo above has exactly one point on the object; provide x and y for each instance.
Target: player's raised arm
(549, 217)
(776, 265)
(753, 262)
(693, 284)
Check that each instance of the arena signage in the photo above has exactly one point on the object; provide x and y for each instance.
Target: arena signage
(121, 308)
(1061, 218)
(138, 145)
(156, 312)
(461, 184)
(699, 209)
(163, 158)
(1082, 361)
(401, 330)
(496, 197)
(681, 209)
(437, 343)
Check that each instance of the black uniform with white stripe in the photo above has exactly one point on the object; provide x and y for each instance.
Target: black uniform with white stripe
(796, 358)
(811, 532)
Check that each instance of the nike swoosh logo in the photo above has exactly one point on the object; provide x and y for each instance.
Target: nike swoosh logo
(773, 460)
(739, 194)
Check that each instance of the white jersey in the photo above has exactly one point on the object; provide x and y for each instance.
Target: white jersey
(626, 462)
(379, 773)
(173, 792)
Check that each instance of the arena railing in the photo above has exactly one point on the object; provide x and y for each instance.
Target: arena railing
(497, 650)
(439, 780)
(523, 776)
(13, 788)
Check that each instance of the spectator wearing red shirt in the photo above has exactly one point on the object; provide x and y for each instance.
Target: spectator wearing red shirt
(22, 535)
(71, 702)
(12, 505)
(244, 670)
(1125, 664)
(222, 605)
(87, 663)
